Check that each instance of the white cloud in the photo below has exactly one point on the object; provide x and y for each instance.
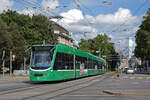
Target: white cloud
(72, 16)
(78, 36)
(46, 8)
(119, 25)
(33, 1)
(121, 16)
(74, 21)
(80, 28)
(103, 23)
(5, 5)
(50, 5)
(109, 35)
(28, 11)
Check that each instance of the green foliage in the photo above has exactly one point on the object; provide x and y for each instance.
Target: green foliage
(101, 43)
(5, 40)
(18, 32)
(142, 49)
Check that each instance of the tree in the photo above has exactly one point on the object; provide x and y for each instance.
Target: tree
(17, 45)
(18, 32)
(5, 40)
(84, 45)
(142, 49)
(34, 30)
(100, 45)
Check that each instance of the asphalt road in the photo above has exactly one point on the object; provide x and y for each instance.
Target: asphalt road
(104, 87)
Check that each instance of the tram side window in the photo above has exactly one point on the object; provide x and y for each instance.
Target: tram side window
(63, 61)
(103, 66)
(78, 62)
(86, 64)
(81, 60)
(94, 64)
(90, 64)
(99, 65)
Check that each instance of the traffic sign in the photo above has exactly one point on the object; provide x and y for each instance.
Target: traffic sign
(118, 64)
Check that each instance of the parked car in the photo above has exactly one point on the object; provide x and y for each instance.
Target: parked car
(125, 70)
(130, 71)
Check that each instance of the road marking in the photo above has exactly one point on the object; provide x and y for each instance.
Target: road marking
(139, 78)
(147, 77)
(131, 77)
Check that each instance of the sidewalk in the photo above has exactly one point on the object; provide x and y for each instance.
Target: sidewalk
(148, 73)
(13, 77)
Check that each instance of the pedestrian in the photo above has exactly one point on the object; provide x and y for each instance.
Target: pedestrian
(117, 72)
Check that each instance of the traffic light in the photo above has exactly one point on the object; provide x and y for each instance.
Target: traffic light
(13, 57)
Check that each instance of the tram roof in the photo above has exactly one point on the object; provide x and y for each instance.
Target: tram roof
(43, 45)
(77, 51)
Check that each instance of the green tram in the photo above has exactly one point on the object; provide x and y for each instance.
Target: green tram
(61, 62)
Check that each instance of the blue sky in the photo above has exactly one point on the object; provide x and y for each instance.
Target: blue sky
(97, 6)
(119, 19)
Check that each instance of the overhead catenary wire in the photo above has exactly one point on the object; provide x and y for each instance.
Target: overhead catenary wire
(78, 4)
(136, 11)
(40, 8)
(34, 6)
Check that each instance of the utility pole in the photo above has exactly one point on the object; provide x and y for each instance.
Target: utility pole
(24, 63)
(25, 58)
(49, 28)
(3, 58)
(10, 63)
(99, 52)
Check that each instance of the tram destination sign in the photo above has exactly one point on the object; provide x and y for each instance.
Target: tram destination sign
(42, 48)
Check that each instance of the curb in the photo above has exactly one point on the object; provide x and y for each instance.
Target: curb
(111, 93)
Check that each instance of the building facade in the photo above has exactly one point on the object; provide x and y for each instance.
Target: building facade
(64, 36)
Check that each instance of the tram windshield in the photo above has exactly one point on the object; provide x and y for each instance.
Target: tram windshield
(41, 59)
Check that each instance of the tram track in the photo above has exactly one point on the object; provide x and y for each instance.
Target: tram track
(31, 85)
(77, 84)
(67, 89)
(80, 87)
(18, 89)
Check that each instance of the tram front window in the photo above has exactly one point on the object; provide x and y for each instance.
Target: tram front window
(41, 59)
